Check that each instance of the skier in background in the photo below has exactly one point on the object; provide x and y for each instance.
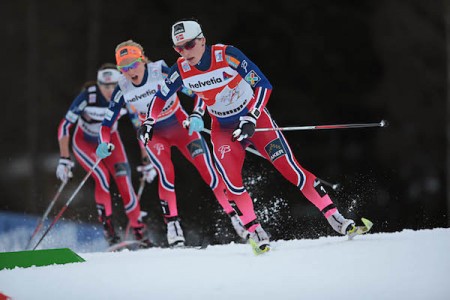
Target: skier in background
(86, 114)
(236, 93)
(139, 82)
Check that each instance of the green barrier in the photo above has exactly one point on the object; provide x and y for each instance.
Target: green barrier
(25, 259)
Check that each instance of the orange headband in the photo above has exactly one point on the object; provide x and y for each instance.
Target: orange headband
(127, 52)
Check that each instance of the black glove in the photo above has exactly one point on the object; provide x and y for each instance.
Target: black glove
(246, 128)
(145, 132)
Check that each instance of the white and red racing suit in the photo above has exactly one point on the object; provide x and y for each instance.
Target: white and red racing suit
(232, 86)
(168, 132)
(86, 114)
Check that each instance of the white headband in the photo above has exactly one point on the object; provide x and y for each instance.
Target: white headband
(108, 76)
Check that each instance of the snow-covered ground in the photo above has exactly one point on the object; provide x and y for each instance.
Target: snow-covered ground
(404, 265)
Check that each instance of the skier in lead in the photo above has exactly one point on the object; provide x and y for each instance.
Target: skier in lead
(139, 81)
(236, 93)
(86, 113)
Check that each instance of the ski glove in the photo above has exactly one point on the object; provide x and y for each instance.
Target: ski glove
(245, 129)
(148, 172)
(194, 122)
(104, 150)
(145, 132)
(64, 169)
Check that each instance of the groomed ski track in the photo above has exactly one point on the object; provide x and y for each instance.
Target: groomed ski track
(402, 265)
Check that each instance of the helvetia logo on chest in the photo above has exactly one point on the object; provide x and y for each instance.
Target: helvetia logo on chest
(200, 84)
(143, 95)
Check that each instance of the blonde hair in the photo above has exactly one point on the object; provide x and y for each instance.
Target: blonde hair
(133, 43)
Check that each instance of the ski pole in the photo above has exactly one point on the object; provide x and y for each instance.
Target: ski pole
(382, 123)
(139, 194)
(251, 150)
(334, 186)
(63, 209)
(141, 188)
(44, 216)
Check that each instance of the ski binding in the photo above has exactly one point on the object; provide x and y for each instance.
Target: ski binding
(359, 230)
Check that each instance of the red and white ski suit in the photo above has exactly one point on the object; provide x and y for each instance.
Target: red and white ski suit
(232, 86)
(168, 132)
(86, 113)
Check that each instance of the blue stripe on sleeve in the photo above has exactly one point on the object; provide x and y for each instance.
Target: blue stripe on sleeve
(247, 69)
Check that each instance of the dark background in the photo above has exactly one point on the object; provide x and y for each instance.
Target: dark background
(329, 62)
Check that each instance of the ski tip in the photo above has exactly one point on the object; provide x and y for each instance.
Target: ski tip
(360, 230)
(127, 244)
(367, 223)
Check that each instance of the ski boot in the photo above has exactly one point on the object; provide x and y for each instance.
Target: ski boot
(347, 226)
(108, 230)
(340, 224)
(259, 240)
(175, 237)
(140, 236)
(238, 226)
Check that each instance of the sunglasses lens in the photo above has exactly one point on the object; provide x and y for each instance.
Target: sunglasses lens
(129, 67)
(188, 46)
(135, 65)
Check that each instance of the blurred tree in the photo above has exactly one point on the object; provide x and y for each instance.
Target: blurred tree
(94, 35)
(447, 32)
(32, 98)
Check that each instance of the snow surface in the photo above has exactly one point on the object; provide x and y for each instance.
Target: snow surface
(403, 265)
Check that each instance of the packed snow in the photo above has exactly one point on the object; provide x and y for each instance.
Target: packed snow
(402, 265)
